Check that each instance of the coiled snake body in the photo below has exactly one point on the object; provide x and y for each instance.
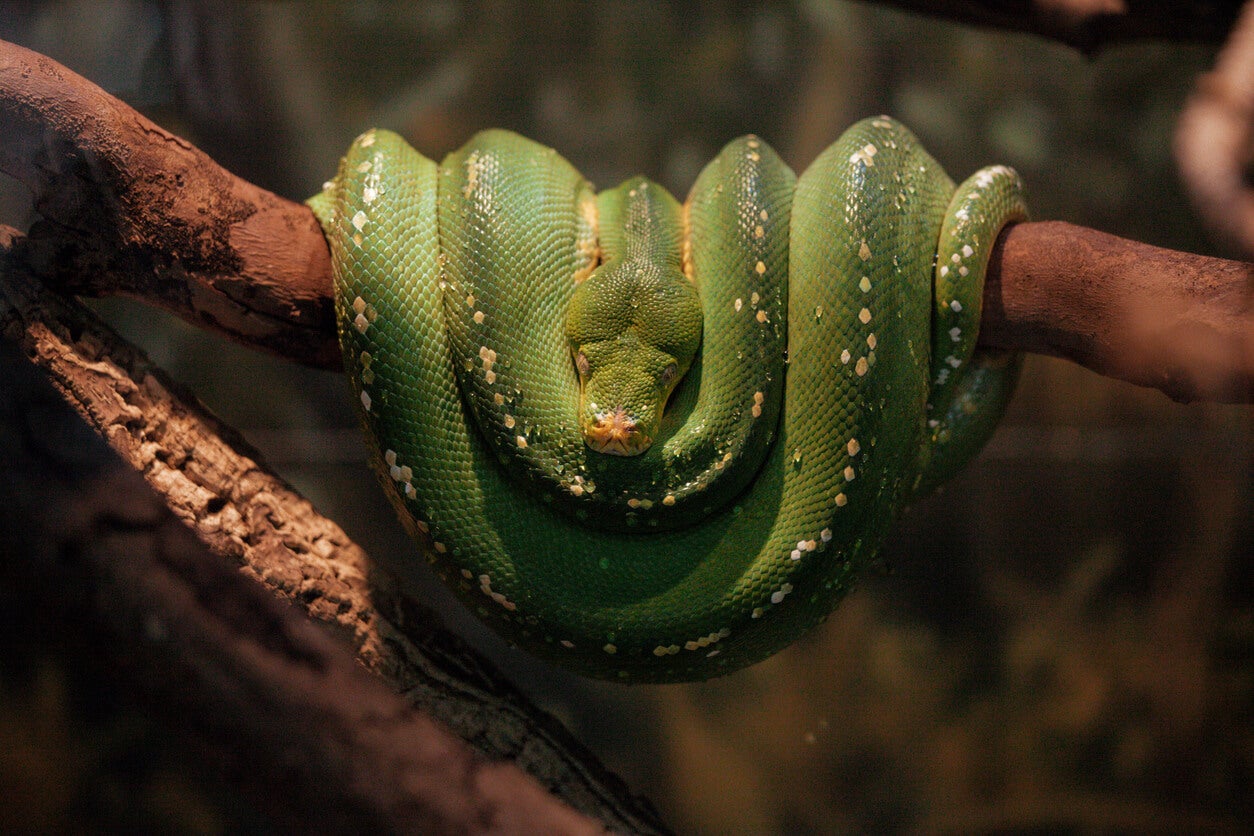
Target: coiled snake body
(508, 331)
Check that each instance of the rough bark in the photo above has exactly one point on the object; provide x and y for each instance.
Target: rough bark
(315, 742)
(219, 487)
(128, 206)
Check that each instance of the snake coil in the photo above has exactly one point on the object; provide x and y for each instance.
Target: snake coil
(499, 319)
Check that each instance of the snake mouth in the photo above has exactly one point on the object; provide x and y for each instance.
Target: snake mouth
(615, 433)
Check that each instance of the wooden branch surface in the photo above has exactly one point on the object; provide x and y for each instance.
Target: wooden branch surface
(219, 487)
(1177, 322)
(128, 208)
(104, 568)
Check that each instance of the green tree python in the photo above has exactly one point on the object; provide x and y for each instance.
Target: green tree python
(656, 442)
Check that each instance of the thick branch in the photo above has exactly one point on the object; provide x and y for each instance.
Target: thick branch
(180, 231)
(211, 479)
(97, 564)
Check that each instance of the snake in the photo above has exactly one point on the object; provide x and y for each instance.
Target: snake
(653, 441)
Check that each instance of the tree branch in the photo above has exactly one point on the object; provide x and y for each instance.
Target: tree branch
(218, 486)
(170, 226)
(1180, 323)
(1088, 25)
(95, 562)
(1213, 139)
(146, 214)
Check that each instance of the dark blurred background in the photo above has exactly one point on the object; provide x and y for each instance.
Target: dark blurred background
(1062, 640)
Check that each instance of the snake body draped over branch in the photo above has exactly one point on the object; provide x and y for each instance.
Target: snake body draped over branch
(506, 330)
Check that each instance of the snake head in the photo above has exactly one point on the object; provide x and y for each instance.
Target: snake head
(624, 387)
(630, 350)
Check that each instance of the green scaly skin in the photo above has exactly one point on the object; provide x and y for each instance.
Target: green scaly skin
(730, 242)
(634, 325)
(715, 437)
(506, 228)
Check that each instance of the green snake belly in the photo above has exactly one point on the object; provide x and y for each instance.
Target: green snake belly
(864, 424)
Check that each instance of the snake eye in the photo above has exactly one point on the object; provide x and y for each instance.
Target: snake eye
(582, 364)
(668, 373)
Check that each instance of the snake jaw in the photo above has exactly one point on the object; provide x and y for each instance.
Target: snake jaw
(616, 433)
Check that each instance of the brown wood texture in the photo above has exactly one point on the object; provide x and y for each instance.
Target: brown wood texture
(314, 741)
(128, 208)
(1173, 321)
(209, 480)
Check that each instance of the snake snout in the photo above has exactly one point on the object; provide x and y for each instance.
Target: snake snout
(615, 432)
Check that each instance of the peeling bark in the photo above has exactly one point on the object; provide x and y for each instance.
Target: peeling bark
(219, 487)
(316, 743)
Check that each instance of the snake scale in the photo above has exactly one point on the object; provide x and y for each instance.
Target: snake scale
(655, 442)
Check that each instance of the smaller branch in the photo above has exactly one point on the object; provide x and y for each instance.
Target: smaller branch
(1180, 323)
(1088, 25)
(1214, 137)
(250, 518)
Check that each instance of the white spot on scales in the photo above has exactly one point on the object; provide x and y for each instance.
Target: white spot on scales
(485, 586)
(864, 155)
(778, 595)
